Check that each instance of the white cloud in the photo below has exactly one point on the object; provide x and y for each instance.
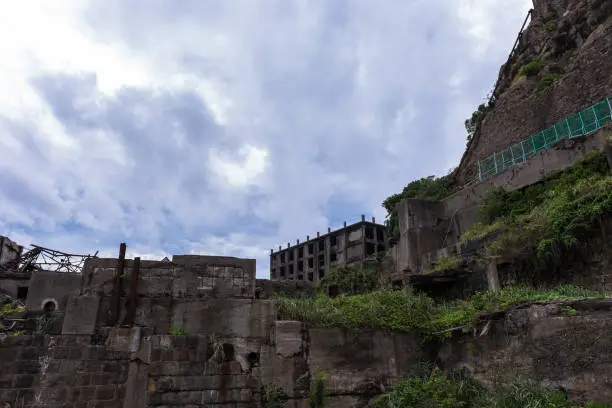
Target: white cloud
(230, 127)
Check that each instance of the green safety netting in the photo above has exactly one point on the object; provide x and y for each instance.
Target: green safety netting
(586, 121)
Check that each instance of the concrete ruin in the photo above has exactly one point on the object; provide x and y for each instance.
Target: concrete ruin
(354, 244)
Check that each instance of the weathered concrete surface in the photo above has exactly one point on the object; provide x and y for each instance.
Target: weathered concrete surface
(265, 288)
(566, 344)
(52, 286)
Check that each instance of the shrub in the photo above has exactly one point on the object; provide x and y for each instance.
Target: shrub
(532, 68)
(271, 396)
(318, 393)
(176, 331)
(545, 82)
(428, 188)
(352, 279)
(446, 264)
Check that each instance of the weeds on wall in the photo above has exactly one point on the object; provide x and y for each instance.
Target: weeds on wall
(547, 221)
(351, 279)
(318, 392)
(272, 396)
(436, 388)
(545, 82)
(177, 331)
(398, 310)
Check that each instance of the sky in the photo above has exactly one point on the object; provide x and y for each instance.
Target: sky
(231, 127)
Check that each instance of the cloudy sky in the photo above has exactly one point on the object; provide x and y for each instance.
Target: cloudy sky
(228, 127)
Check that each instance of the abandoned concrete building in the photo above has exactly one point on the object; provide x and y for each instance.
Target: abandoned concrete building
(311, 260)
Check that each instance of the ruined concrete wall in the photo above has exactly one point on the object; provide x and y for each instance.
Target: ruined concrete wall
(578, 48)
(60, 371)
(430, 230)
(567, 345)
(52, 286)
(10, 280)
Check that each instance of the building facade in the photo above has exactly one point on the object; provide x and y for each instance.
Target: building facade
(312, 260)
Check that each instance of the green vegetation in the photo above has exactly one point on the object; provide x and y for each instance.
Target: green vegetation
(318, 393)
(550, 25)
(44, 324)
(351, 279)
(272, 396)
(545, 82)
(435, 388)
(473, 122)
(532, 68)
(175, 331)
(446, 264)
(11, 309)
(396, 310)
(546, 221)
(428, 188)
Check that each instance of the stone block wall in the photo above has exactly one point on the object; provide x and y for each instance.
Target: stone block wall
(60, 371)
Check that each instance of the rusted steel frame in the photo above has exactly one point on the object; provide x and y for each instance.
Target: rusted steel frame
(116, 295)
(128, 321)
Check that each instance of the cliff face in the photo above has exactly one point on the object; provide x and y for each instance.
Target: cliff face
(573, 41)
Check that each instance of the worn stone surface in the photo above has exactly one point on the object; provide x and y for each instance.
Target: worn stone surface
(56, 286)
(565, 345)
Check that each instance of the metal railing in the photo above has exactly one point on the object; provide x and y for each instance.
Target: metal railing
(582, 123)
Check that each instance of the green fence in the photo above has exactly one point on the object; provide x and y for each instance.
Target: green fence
(583, 122)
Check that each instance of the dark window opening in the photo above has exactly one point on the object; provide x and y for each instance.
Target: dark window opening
(321, 261)
(282, 272)
(311, 276)
(283, 257)
(290, 270)
(22, 292)
(300, 266)
(49, 307)
(397, 284)
(369, 233)
(228, 352)
(333, 291)
(333, 257)
(300, 252)
(380, 248)
(310, 262)
(273, 274)
(258, 293)
(380, 234)
(370, 249)
(333, 241)
(311, 248)
(300, 277)
(321, 245)
(253, 359)
(291, 255)
(321, 273)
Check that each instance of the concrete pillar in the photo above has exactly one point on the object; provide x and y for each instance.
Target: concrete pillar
(493, 275)
(373, 220)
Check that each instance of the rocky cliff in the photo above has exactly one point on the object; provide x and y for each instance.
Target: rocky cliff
(569, 46)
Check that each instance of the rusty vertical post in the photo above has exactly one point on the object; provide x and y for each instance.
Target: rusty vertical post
(132, 297)
(116, 295)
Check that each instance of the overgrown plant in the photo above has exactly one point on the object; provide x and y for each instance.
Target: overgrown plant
(436, 388)
(352, 279)
(44, 324)
(397, 310)
(446, 264)
(428, 188)
(216, 348)
(532, 68)
(546, 221)
(177, 331)
(318, 392)
(272, 396)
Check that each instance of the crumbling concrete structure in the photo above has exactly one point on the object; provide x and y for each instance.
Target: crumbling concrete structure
(311, 260)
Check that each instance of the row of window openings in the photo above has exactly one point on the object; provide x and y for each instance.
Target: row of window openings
(300, 276)
(333, 257)
(333, 241)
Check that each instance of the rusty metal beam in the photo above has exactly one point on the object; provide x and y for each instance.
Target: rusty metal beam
(132, 301)
(116, 295)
